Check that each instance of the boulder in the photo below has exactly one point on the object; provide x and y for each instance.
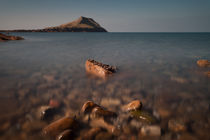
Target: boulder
(99, 69)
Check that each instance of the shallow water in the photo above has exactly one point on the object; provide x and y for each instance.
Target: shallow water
(157, 68)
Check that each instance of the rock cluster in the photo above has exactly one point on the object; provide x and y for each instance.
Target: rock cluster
(99, 121)
(99, 69)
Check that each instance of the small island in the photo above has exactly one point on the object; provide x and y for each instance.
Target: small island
(82, 24)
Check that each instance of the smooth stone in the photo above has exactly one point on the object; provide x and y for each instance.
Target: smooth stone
(104, 136)
(152, 130)
(100, 112)
(90, 135)
(46, 112)
(66, 135)
(101, 123)
(54, 103)
(203, 63)
(176, 125)
(134, 105)
(88, 107)
(59, 126)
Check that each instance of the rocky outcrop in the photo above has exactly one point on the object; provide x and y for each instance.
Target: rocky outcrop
(6, 38)
(99, 69)
(82, 24)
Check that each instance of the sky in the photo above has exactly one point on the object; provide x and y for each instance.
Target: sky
(113, 15)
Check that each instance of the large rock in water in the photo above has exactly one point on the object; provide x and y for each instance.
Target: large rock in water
(6, 38)
(99, 69)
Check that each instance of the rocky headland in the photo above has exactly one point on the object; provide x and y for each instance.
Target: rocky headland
(6, 37)
(82, 24)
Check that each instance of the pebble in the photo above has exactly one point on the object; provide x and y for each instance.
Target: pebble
(176, 125)
(100, 112)
(54, 103)
(101, 123)
(91, 133)
(59, 126)
(134, 105)
(152, 130)
(203, 63)
(88, 107)
(46, 112)
(65, 135)
(104, 136)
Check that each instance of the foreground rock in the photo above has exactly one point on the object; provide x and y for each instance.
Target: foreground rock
(55, 128)
(132, 106)
(7, 38)
(203, 63)
(99, 69)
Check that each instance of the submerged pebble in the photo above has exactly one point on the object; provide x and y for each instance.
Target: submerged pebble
(59, 126)
(152, 130)
(134, 105)
(66, 135)
(203, 63)
(176, 125)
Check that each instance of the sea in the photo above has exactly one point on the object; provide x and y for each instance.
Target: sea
(159, 69)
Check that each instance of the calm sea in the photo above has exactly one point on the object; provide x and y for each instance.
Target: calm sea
(158, 68)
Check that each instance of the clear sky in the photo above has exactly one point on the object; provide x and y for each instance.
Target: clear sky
(113, 15)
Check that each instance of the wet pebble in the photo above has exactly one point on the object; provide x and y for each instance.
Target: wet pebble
(176, 125)
(152, 130)
(88, 107)
(134, 105)
(203, 63)
(66, 135)
(54, 103)
(59, 126)
(90, 135)
(100, 112)
(46, 112)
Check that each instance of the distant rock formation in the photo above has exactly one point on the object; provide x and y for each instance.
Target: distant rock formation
(6, 38)
(82, 24)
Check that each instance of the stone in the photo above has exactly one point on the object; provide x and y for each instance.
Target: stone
(104, 136)
(60, 125)
(176, 125)
(99, 69)
(46, 112)
(134, 105)
(66, 135)
(88, 107)
(54, 103)
(101, 123)
(91, 133)
(151, 130)
(100, 112)
(203, 63)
